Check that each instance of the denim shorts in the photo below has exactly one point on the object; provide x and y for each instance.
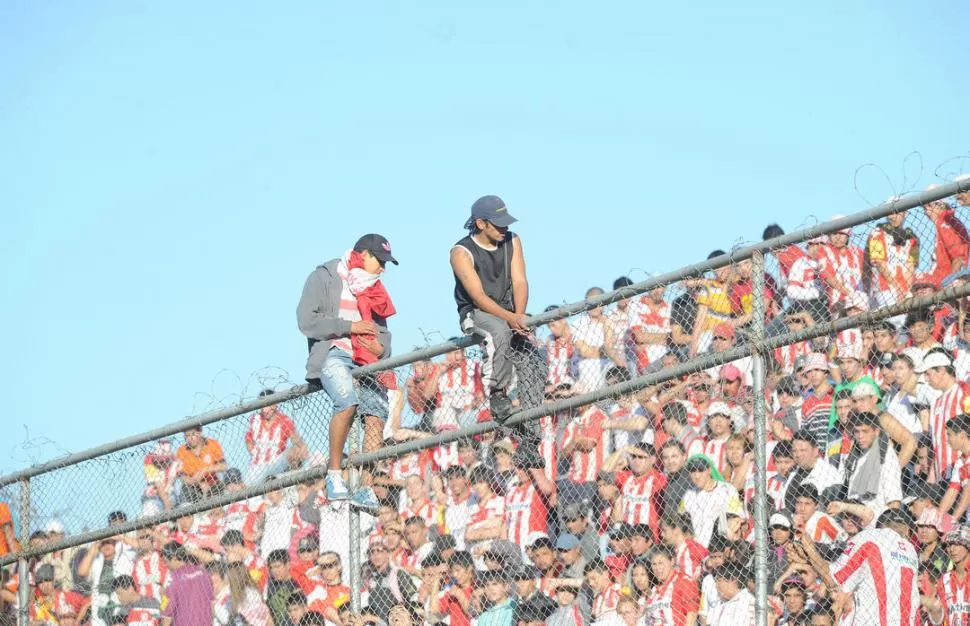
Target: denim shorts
(369, 396)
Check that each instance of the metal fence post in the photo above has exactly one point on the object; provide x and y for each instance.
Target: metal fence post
(23, 575)
(760, 441)
(354, 556)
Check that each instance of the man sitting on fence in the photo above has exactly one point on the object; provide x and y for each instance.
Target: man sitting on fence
(492, 293)
(343, 313)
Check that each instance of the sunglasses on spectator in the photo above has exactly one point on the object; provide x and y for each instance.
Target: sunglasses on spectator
(330, 564)
(305, 550)
(639, 456)
(718, 338)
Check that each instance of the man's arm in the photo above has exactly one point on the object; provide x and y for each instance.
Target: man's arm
(464, 269)
(520, 284)
(312, 323)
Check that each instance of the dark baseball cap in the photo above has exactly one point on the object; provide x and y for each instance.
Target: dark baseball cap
(232, 537)
(233, 476)
(491, 209)
(44, 573)
(377, 245)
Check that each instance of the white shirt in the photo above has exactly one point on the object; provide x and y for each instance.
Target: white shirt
(705, 507)
(592, 372)
(738, 611)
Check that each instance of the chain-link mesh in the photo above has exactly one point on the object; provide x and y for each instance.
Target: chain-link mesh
(639, 504)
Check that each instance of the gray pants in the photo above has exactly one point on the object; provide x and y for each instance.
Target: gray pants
(510, 356)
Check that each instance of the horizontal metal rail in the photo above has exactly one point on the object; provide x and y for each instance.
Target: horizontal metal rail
(694, 365)
(661, 280)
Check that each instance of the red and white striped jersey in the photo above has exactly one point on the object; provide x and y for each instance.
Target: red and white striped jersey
(651, 317)
(258, 571)
(695, 414)
(268, 437)
(526, 512)
(959, 474)
(823, 529)
(484, 511)
(845, 264)
(459, 386)
(714, 450)
(548, 444)
(606, 601)
(879, 568)
(900, 261)
(803, 280)
(954, 595)
(414, 464)
(654, 319)
(561, 357)
(149, 574)
(689, 559)
(445, 456)
(775, 487)
(849, 339)
(165, 475)
(786, 355)
(639, 494)
(670, 603)
(947, 406)
(589, 424)
(244, 515)
(431, 513)
(208, 528)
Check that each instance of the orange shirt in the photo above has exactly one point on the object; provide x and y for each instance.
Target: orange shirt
(209, 454)
(5, 520)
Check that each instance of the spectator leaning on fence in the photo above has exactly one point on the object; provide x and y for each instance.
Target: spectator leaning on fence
(492, 293)
(343, 313)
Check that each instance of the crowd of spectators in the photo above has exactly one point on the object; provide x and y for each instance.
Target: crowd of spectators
(637, 510)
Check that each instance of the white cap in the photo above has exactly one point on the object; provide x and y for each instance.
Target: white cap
(961, 177)
(936, 359)
(844, 231)
(916, 356)
(54, 526)
(851, 350)
(719, 408)
(816, 361)
(778, 519)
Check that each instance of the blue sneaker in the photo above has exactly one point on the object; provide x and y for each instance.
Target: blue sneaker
(336, 488)
(365, 498)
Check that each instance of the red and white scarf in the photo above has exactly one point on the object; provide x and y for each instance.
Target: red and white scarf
(354, 280)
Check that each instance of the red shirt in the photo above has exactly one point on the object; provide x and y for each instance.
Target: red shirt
(952, 244)
(451, 608)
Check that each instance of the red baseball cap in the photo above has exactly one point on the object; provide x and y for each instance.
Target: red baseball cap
(724, 330)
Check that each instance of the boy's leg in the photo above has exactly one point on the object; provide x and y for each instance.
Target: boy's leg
(339, 385)
(374, 408)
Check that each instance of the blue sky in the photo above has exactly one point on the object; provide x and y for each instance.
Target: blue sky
(172, 171)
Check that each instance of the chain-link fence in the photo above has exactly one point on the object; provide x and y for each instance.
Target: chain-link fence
(710, 446)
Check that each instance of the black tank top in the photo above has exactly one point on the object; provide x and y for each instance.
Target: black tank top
(494, 270)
